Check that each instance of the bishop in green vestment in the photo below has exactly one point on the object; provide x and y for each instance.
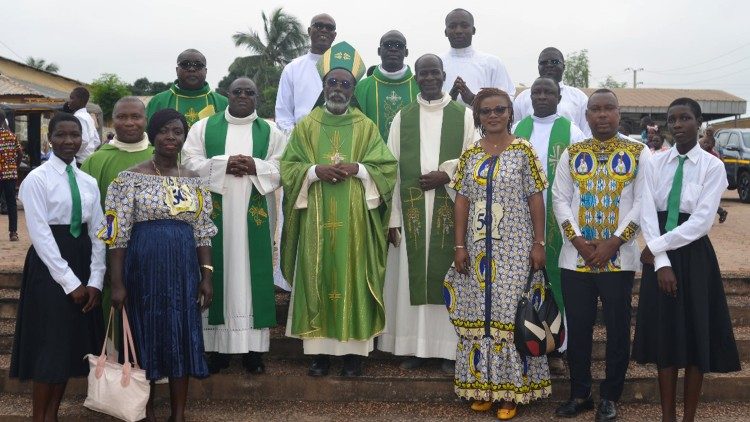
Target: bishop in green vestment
(391, 87)
(190, 93)
(338, 178)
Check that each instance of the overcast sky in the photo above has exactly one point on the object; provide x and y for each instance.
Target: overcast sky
(685, 44)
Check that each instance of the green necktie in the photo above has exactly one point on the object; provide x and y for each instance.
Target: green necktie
(75, 210)
(673, 201)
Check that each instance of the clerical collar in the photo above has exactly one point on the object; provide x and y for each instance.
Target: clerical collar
(240, 120)
(548, 119)
(393, 75)
(439, 103)
(461, 52)
(204, 90)
(313, 56)
(131, 147)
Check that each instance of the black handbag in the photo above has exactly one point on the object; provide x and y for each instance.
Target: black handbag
(539, 328)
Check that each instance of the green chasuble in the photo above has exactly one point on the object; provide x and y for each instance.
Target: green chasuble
(427, 273)
(258, 232)
(108, 161)
(380, 98)
(559, 139)
(335, 250)
(193, 104)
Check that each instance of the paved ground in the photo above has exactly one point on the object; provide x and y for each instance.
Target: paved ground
(731, 239)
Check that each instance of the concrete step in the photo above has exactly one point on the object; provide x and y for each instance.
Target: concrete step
(384, 381)
(17, 407)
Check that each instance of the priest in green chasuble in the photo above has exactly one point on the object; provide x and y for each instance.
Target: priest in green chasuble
(190, 93)
(391, 86)
(239, 154)
(427, 137)
(338, 178)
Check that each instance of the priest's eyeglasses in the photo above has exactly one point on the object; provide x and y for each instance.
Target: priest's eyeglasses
(553, 62)
(321, 26)
(397, 45)
(332, 82)
(191, 64)
(499, 110)
(247, 91)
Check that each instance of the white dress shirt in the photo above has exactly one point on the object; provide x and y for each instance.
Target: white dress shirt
(572, 106)
(479, 70)
(613, 200)
(89, 135)
(299, 87)
(45, 194)
(704, 180)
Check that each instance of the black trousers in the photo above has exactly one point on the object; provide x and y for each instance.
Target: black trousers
(580, 293)
(8, 190)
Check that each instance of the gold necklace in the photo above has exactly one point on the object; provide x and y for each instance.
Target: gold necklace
(156, 169)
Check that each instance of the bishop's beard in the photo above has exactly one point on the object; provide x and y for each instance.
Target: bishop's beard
(337, 103)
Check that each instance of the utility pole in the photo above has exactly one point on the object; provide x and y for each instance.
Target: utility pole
(635, 75)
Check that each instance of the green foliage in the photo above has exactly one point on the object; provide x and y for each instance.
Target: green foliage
(612, 83)
(106, 90)
(285, 39)
(42, 64)
(577, 69)
(143, 86)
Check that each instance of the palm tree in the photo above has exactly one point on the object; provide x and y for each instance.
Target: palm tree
(285, 36)
(42, 64)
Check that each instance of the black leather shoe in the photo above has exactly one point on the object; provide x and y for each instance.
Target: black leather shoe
(217, 361)
(573, 407)
(253, 362)
(352, 366)
(412, 362)
(607, 411)
(320, 366)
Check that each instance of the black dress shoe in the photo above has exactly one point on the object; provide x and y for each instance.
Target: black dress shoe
(412, 362)
(352, 366)
(573, 407)
(253, 362)
(217, 361)
(320, 366)
(607, 411)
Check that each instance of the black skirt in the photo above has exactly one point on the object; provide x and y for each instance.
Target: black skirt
(52, 334)
(694, 328)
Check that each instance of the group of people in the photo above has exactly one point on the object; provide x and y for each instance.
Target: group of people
(416, 204)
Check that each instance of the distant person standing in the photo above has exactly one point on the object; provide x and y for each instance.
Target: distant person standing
(468, 70)
(77, 101)
(10, 157)
(708, 143)
(190, 93)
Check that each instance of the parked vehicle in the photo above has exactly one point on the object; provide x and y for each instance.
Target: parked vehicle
(734, 147)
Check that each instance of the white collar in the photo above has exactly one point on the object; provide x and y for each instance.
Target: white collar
(693, 155)
(60, 165)
(549, 119)
(461, 52)
(240, 120)
(393, 75)
(139, 146)
(434, 104)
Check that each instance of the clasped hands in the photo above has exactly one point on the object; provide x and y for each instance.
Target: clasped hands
(241, 165)
(336, 173)
(459, 87)
(597, 253)
(87, 296)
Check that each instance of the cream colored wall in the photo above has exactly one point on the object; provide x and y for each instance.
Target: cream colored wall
(15, 70)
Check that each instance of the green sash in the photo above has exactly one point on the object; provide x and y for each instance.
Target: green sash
(559, 139)
(258, 232)
(427, 273)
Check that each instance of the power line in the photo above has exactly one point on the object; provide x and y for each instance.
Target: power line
(704, 62)
(698, 72)
(11, 50)
(707, 80)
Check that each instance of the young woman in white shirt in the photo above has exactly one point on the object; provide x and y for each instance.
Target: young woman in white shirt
(683, 319)
(59, 319)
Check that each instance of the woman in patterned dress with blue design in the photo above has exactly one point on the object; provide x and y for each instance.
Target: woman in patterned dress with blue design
(499, 216)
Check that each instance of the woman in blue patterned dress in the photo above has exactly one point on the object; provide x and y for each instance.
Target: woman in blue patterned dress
(159, 230)
(499, 217)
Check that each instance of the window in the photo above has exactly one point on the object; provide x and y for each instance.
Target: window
(734, 140)
(721, 139)
(746, 139)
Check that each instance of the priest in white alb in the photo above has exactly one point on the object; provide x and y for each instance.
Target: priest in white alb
(427, 137)
(239, 154)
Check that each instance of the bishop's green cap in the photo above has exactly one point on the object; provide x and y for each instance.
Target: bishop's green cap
(342, 56)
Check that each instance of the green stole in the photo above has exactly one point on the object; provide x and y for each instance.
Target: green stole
(194, 104)
(380, 98)
(559, 139)
(427, 273)
(258, 232)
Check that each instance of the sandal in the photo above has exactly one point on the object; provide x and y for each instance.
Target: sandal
(13, 236)
(723, 215)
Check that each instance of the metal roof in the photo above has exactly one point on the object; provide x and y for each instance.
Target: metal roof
(12, 86)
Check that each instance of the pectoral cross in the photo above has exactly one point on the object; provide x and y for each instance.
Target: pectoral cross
(332, 225)
(335, 156)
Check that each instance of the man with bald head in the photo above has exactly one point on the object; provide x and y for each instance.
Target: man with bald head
(468, 70)
(299, 87)
(551, 64)
(239, 154)
(427, 138)
(391, 85)
(190, 93)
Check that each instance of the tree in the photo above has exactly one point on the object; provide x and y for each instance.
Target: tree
(285, 40)
(612, 83)
(106, 90)
(577, 69)
(143, 86)
(42, 64)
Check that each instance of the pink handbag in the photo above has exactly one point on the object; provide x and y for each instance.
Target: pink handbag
(118, 390)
